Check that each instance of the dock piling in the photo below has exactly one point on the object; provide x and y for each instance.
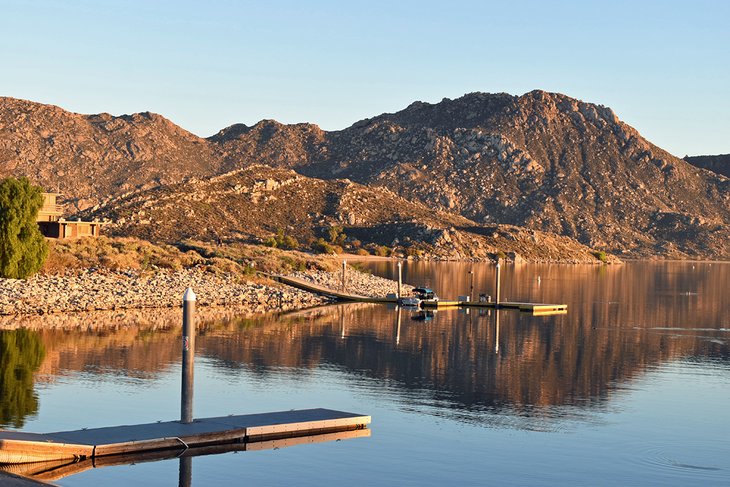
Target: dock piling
(188, 357)
(344, 276)
(496, 285)
(400, 278)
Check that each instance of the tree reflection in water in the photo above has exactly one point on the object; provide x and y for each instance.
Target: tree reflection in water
(21, 353)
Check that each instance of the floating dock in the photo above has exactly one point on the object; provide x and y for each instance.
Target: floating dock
(19, 447)
(53, 470)
(539, 309)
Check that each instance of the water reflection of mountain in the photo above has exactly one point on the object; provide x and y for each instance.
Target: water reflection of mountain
(540, 362)
(616, 328)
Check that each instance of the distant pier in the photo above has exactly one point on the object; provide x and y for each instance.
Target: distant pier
(535, 308)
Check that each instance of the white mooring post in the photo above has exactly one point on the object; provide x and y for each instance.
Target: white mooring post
(188, 356)
(344, 276)
(400, 279)
(497, 283)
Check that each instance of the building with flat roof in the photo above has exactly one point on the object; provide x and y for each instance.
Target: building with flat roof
(53, 225)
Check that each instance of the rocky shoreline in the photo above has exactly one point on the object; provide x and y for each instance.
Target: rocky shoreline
(122, 292)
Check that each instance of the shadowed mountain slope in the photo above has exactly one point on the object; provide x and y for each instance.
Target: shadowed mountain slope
(719, 164)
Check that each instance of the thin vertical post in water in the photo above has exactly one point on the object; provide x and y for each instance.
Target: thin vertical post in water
(188, 356)
(497, 284)
(344, 276)
(400, 278)
(471, 284)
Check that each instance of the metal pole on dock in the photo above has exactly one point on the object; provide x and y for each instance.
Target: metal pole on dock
(496, 292)
(400, 278)
(344, 276)
(188, 356)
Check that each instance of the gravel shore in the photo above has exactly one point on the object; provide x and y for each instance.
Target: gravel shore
(94, 290)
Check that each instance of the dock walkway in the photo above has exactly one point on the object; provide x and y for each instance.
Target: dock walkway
(536, 308)
(20, 447)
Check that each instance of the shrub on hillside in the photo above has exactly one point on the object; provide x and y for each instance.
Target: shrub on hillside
(382, 251)
(281, 241)
(322, 247)
(600, 255)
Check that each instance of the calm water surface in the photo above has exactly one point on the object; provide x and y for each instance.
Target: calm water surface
(631, 387)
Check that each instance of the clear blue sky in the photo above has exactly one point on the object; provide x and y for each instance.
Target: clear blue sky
(663, 66)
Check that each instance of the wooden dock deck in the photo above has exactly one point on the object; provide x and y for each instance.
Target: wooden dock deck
(20, 447)
(52, 470)
(339, 295)
(540, 309)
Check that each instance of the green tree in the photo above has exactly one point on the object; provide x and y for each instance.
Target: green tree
(22, 246)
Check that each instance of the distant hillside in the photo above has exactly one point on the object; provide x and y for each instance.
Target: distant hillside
(258, 202)
(719, 164)
(542, 160)
(91, 157)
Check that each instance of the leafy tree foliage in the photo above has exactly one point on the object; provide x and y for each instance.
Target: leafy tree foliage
(22, 246)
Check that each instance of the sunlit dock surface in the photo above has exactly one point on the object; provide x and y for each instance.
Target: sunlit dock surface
(52, 470)
(250, 429)
(539, 309)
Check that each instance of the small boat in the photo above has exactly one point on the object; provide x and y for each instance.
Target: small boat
(410, 302)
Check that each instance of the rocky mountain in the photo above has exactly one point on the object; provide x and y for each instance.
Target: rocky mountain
(259, 201)
(542, 160)
(719, 164)
(91, 157)
(290, 146)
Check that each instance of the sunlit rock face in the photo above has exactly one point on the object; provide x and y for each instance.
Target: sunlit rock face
(540, 161)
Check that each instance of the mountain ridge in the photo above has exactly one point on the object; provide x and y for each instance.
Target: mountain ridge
(543, 161)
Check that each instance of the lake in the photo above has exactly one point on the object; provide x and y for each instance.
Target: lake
(630, 387)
